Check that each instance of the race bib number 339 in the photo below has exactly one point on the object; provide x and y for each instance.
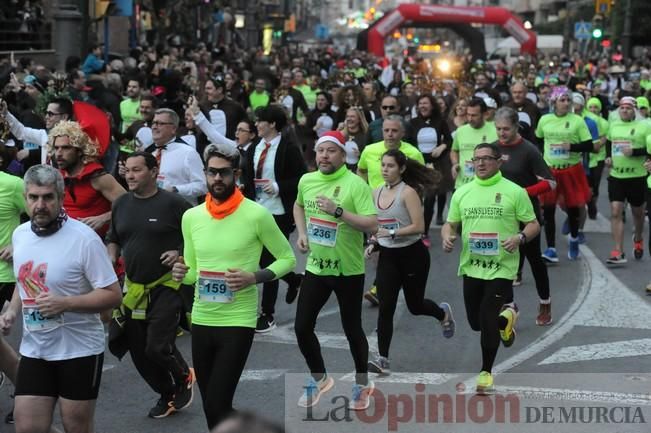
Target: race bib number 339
(322, 232)
(213, 288)
(484, 244)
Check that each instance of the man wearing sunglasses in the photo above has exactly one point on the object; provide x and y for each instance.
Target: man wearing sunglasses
(489, 211)
(390, 105)
(222, 243)
(35, 140)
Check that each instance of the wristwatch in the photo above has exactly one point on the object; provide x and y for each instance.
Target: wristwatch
(392, 233)
(338, 212)
(523, 237)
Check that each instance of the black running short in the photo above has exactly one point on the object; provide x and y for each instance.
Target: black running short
(72, 379)
(6, 292)
(631, 190)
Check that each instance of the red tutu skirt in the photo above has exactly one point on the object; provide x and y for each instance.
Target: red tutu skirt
(572, 189)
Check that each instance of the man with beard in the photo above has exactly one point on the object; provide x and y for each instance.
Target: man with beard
(57, 110)
(89, 190)
(223, 240)
(129, 107)
(333, 210)
(64, 280)
(146, 231)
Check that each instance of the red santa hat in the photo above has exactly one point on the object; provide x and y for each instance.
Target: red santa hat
(335, 137)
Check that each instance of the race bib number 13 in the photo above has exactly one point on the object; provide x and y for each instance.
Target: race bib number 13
(35, 321)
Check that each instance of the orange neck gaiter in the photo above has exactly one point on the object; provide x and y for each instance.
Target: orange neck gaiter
(222, 210)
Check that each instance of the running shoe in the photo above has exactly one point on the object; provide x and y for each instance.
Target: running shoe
(507, 335)
(426, 241)
(573, 251)
(518, 280)
(616, 258)
(314, 390)
(361, 398)
(380, 365)
(592, 209)
(266, 323)
(9, 419)
(544, 317)
(566, 227)
(550, 255)
(164, 407)
(484, 383)
(448, 324)
(371, 296)
(648, 289)
(292, 289)
(638, 248)
(2, 379)
(581, 237)
(439, 221)
(185, 391)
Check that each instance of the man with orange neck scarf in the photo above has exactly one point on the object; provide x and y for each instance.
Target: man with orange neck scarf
(223, 239)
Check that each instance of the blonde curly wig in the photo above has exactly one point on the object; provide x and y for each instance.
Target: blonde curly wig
(78, 138)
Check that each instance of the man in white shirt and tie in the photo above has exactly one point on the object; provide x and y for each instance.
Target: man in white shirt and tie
(181, 168)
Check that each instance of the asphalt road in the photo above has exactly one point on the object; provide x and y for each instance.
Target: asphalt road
(595, 354)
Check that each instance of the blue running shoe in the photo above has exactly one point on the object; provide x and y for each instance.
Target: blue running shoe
(550, 255)
(573, 250)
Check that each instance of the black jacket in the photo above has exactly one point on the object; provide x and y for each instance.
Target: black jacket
(289, 166)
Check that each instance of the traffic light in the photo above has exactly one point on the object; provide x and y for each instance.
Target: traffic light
(597, 27)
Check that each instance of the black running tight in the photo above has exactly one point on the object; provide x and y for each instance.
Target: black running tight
(315, 292)
(219, 355)
(484, 299)
(573, 214)
(406, 267)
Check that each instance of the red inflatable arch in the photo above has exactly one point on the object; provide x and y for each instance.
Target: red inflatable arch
(406, 13)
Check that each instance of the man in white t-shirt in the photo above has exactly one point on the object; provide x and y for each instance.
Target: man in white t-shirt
(64, 279)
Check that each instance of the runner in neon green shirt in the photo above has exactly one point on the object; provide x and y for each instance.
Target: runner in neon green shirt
(369, 166)
(566, 136)
(465, 139)
(490, 210)
(626, 152)
(333, 209)
(223, 240)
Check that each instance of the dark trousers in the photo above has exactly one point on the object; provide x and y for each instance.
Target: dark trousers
(152, 342)
(314, 294)
(531, 250)
(428, 206)
(270, 288)
(549, 213)
(406, 268)
(483, 300)
(219, 355)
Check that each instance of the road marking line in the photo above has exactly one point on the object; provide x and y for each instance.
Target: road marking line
(590, 352)
(424, 378)
(285, 335)
(534, 393)
(270, 374)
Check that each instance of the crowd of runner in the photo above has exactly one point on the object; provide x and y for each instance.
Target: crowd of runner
(159, 192)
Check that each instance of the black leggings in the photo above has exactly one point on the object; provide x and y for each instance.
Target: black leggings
(531, 250)
(219, 355)
(406, 267)
(270, 288)
(315, 291)
(483, 300)
(430, 198)
(573, 214)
